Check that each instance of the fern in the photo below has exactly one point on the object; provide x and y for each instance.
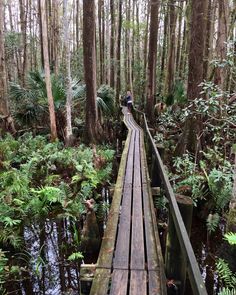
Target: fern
(231, 238)
(225, 274)
(75, 256)
(212, 222)
(227, 291)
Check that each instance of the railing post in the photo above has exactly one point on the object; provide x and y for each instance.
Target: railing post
(175, 261)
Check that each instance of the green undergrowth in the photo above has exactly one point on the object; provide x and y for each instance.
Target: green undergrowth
(39, 180)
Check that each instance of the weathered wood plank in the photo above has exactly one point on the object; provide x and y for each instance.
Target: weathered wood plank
(154, 283)
(138, 282)
(130, 160)
(119, 283)
(152, 259)
(101, 282)
(108, 241)
(137, 239)
(121, 258)
(137, 160)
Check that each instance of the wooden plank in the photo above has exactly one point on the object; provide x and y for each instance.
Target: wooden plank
(137, 172)
(130, 160)
(154, 283)
(138, 282)
(121, 258)
(137, 241)
(101, 282)
(119, 283)
(108, 241)
(152, 259)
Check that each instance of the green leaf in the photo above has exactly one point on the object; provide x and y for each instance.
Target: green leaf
(231, 238)
(75, 256)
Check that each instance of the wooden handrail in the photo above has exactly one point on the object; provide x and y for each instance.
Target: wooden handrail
(196, 280)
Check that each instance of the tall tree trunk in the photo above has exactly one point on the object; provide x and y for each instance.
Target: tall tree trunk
(221, 44)
(185, 42)
(77, 25)
(190, 140)
(90, 69)
(40, 32)
(112, 45)
(152, 58)
(68, 74)
(23, 21)
(55, 36)
(164, 47)
(118, 49)
(207, 42)
(101, 30)
(47, 72)
(4, 107)
(180, 21)
(170, 73)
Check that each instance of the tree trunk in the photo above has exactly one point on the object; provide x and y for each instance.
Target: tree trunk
(90, 69)
(164, 47)
(112, 45)
(185, 43)
(101, 30)
(207, 42)
(170, 73)
(190, 140)
(40, 32)
(23, 22)
(152, 58)
(118, 49)
(180, 20)
(4, 107)
(47, 72)
(221, 44)
(68, 74)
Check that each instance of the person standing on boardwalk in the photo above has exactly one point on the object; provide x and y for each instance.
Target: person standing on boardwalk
(129, 101)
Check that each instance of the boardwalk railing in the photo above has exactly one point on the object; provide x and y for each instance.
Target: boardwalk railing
(196, 280)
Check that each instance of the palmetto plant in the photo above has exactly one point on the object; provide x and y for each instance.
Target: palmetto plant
(31, 101)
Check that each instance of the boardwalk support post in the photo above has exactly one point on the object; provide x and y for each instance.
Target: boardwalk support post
(175, 262)
(86, 277)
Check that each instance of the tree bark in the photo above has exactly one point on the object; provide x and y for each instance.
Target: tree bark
(190, 140)
(112, 45)
(68, 74)
(40, 32)
(164, 47)
(152, 58)
(118, 49)
(221, 44)
(23, 22)
(90, 69)
(170, 73)
(207, 42)
(4, 107)
(47, 72)
(101, 30)
(180, 21)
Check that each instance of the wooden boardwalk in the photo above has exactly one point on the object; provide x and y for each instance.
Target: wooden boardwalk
(130, 259)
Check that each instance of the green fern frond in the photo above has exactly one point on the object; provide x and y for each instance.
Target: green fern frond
(225, 273)
(227, 291)
(231, 238)
(212, 222)
(75, 256)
